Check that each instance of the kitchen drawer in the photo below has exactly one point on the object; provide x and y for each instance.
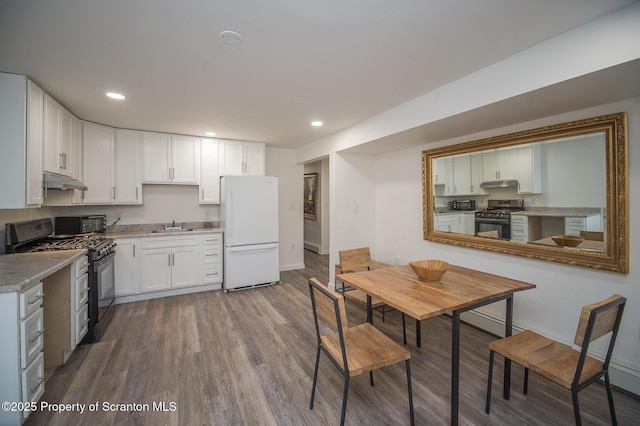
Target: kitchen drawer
(82, 323)
(575, 222)
(31, 337)
(169, 242)
(211, 274)
(82, 291)
(81, 267)
(33, 381)
(31, 300)
(211, 254)
(212, 239)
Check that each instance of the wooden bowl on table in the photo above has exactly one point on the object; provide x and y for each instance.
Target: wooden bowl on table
(429, 270)
(567, 240)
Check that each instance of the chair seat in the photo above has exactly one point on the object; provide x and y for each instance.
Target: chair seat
(367, 349)
(551, 359)
(361, 298)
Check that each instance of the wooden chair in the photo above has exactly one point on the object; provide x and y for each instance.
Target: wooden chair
(559, 362)
(592, 235)
(353, 350)
(489, 234)
(359, 259)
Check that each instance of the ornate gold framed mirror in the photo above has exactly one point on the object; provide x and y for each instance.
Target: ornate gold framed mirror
(569, 180)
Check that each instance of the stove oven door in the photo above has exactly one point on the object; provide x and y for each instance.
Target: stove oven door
(103, 289)
(484, 225)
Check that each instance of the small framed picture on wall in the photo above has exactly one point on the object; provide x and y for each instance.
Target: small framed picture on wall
(310, 196)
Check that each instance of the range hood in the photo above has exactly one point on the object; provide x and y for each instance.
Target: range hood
(57, 181)
(507, 183)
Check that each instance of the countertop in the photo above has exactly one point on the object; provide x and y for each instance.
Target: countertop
(137, 233)
(560, 212)
(22, 271)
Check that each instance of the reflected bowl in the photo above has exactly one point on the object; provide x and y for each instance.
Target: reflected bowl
(567, 240)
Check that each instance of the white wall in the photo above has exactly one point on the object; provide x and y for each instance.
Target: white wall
(281, 163)
(553, 308)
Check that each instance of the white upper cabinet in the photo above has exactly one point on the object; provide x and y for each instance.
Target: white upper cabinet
(21, 120)
(209, 174)
(128, 162)
(98, 152)
(170, 158)
(57, 137)
(242, 158)
(529, 169)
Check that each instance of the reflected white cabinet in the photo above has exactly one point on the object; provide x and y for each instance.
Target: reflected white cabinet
(241, 158)
(21, 120)
(126, 266)
(57, 137)
(528, 160)
(467, 223)
(98, 154)
(128, 167)
(447, 223)
(170, 158)
(209, 192)
(574, 224)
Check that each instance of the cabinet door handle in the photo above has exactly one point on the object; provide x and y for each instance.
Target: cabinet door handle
(169, 258)
(38, 334)
(36, 300)
(40, 380)
(60, 161)
(136, 192)
(134, 250)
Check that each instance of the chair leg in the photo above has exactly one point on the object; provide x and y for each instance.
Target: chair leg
(404, 331)
(612, 410)
(344, 398)
(525, 387)
(371, 377)
(383, 312)
(489, 380)
(576, 406)
(410, 392)
(315, 379)
(418, 333)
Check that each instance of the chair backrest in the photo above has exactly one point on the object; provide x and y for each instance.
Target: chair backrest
(354, 259)
(592, 235)
(328, 304)
(599, 318)
(489, 234)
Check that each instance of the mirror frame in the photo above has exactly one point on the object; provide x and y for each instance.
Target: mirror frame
(616, 255)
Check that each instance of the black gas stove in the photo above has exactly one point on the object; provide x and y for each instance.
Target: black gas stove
(497, 217)
(38, 235)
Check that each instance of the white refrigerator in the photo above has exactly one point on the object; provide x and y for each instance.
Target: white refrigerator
(249, 214)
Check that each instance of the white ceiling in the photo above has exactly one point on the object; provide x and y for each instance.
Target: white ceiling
(299, 60)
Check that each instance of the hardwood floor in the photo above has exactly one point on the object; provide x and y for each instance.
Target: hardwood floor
(247, 358)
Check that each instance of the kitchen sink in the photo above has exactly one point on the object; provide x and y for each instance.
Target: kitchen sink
(172, 230)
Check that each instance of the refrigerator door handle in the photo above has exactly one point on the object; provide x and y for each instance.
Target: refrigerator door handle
(228, 218)
(253, 247)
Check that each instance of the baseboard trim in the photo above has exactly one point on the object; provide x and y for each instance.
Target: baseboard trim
(292, 267)
(623, 377)
(166, 293)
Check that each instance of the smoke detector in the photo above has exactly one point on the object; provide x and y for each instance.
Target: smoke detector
(231, 37)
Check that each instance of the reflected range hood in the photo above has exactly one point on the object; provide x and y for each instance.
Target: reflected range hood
(56, 181)
(507, 183)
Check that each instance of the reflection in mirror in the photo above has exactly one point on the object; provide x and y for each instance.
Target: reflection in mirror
(556, 193)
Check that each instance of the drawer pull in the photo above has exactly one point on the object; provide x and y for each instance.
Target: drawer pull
(37, 336)
(40, 381)
(213, 273)
(214, 254)
(36, 300)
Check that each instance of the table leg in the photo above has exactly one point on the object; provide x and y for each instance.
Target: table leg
(369, 310)
(455, 366)
(418, 334)
(508, 331)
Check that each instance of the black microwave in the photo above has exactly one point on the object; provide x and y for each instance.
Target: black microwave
(462, 205)
(73, 225)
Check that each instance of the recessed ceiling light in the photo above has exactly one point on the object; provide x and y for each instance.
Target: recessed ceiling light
(114, 95)
(316, 123)
(209, 133)
(231, 37)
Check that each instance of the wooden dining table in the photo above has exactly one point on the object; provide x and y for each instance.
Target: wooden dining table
(458, 290)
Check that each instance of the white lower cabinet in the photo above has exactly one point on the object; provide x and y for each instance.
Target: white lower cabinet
(126, 266)
(79, 301)
(447, 223)
(167, 263)
(573, 225)
(212, 259)
(519, 228)
(22, 372)
(146, 267)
